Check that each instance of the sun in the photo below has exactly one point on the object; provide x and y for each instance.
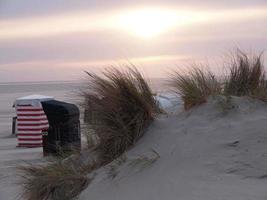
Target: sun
(147, 23)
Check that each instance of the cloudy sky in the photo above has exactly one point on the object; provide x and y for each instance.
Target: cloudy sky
(58, 39)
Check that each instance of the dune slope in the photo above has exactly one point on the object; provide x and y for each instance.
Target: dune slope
(205, 154)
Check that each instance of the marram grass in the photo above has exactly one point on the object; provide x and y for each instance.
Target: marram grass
(54, 181)
(246, 76)
(123, 107)
(194, 86)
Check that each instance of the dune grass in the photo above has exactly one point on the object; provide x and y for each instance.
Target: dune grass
(56, 180)
(194, 86)
(246, 76)
(123, 107)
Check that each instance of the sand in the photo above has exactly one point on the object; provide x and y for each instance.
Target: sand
(205, 154)
(10, 156)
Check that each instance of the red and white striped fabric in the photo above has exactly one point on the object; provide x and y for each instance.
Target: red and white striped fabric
(31, 121)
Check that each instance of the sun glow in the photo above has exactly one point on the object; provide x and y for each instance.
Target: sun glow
(142, 22)
(147, 23)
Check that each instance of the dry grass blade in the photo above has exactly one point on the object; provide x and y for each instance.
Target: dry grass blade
(123, 106)
(55, 181)
(247, 76)
(195, 86)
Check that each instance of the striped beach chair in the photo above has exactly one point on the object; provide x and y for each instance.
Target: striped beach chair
(31, 121)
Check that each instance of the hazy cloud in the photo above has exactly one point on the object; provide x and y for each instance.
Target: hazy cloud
(44, 37)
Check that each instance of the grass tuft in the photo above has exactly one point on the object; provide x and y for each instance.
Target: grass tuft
(122, 106)
(195, 86)
(55, 181)
(246, 76)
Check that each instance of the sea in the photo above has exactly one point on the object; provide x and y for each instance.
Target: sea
(9, 92)
(68, 91)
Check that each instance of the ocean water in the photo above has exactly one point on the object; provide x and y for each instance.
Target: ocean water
(63, 91)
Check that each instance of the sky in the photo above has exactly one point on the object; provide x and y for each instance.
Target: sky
(56, 40)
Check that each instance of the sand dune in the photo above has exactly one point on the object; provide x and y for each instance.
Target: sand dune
(207, 153)
(212, 152)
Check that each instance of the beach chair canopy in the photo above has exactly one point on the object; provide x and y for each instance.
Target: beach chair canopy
(33, 100)
(59, 111)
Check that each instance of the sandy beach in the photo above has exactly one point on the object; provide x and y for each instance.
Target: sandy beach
(10, 156)
(133, 100)
(203, 154)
